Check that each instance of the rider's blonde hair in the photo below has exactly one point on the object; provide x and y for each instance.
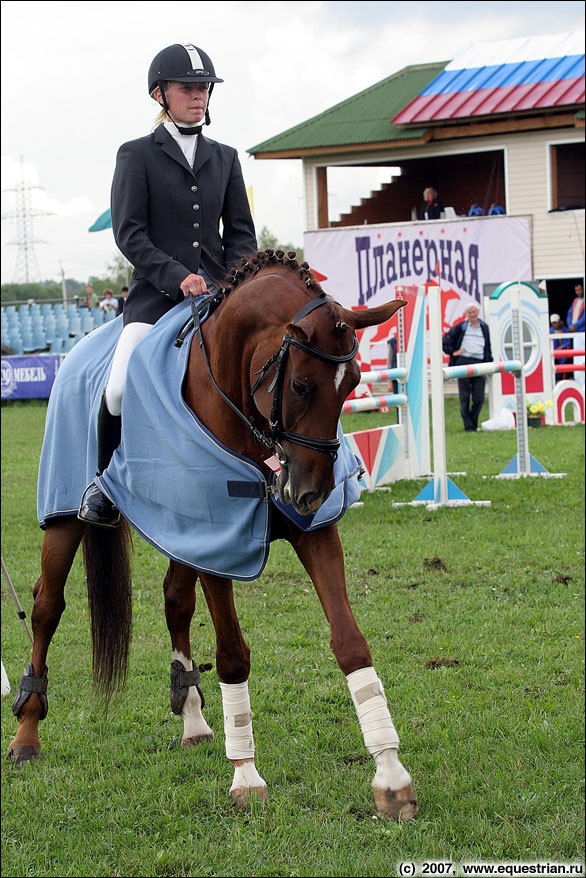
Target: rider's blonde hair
(161, 115)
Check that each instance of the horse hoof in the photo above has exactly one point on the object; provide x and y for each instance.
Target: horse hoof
(20, 755)
(243, 795)
(197, 739)
(396, 804)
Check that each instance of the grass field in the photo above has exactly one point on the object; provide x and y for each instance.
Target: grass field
(475, 621)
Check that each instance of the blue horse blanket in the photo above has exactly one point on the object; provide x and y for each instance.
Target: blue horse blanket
(186, 493)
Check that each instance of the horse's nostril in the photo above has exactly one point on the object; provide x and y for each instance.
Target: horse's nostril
(309, 502)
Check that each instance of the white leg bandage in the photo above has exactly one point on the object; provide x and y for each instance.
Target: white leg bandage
(370, 702)
(237, 720)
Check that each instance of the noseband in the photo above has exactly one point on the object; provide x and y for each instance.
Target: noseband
(277, 433)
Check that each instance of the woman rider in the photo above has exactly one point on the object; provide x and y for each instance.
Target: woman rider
(170, 191)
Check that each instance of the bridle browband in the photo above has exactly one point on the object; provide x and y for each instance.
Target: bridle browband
(277, 433)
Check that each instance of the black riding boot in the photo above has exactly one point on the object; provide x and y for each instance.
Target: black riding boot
(95, 508)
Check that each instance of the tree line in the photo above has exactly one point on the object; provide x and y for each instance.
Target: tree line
(117, 275)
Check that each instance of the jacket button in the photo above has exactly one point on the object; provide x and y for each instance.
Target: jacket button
(196, 206)
(196, 243)
(194, 188)
(196, 225)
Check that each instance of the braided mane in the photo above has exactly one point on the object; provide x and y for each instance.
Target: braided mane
(249, 266)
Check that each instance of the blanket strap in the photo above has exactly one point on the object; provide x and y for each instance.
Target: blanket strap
(249, 490)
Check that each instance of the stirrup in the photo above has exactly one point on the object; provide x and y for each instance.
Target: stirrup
(95, 508)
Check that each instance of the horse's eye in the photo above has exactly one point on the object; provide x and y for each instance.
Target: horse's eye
(300, 389)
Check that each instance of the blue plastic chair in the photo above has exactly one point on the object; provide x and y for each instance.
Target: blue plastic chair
(496, 210)
(87, 323)
(27, 342)
(16, 344)
(476, 210)
(69, 343)
(40, 340)
(62, 327)
(56, 346)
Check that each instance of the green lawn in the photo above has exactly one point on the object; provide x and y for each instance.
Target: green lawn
(475, 620)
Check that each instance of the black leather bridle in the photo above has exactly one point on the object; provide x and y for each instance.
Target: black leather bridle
(272, 438)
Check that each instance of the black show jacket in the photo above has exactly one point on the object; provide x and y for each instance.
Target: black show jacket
(166, 216)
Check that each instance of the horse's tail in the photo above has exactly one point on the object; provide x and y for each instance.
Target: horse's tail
(107, 562)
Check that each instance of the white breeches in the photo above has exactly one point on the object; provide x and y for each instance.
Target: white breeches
(129, 338)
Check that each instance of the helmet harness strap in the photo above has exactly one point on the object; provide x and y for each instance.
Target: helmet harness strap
(196, 128)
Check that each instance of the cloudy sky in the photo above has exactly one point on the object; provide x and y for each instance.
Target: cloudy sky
(74, 88)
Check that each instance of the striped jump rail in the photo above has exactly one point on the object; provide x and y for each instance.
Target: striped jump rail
(473, 370)
(372, 403)
(568, 352)
(377, 375)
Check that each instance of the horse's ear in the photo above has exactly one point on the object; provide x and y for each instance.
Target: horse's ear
(373, 316)
(297, 332)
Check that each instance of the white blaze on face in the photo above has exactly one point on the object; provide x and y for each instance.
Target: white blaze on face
(340, 372)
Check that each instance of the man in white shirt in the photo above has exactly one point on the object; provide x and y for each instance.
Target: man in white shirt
(467, 343)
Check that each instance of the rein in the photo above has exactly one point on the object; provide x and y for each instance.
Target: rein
(277, 432)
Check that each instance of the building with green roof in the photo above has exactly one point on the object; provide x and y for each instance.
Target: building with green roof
(527, 161)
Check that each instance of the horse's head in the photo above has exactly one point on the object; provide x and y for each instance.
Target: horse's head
(298, 348)
(308, 380)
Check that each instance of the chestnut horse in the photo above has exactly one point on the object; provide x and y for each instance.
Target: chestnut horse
(295, 352)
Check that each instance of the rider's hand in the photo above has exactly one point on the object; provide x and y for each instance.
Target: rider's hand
(193, 284)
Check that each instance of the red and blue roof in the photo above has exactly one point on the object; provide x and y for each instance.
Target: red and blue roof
(508, 76)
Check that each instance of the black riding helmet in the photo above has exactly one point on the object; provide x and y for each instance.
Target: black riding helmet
(182, 62)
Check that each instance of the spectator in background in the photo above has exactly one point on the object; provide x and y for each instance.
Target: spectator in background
(109, 303)
(392, 362)
(575, 318)
(89, 297)
(558, 328)
(575, 323)
(432, 206)
(468, 343)
(122, 299)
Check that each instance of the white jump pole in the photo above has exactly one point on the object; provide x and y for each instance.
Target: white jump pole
(440, 469)
(440, 491)
(522, 437)
(524, 464)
